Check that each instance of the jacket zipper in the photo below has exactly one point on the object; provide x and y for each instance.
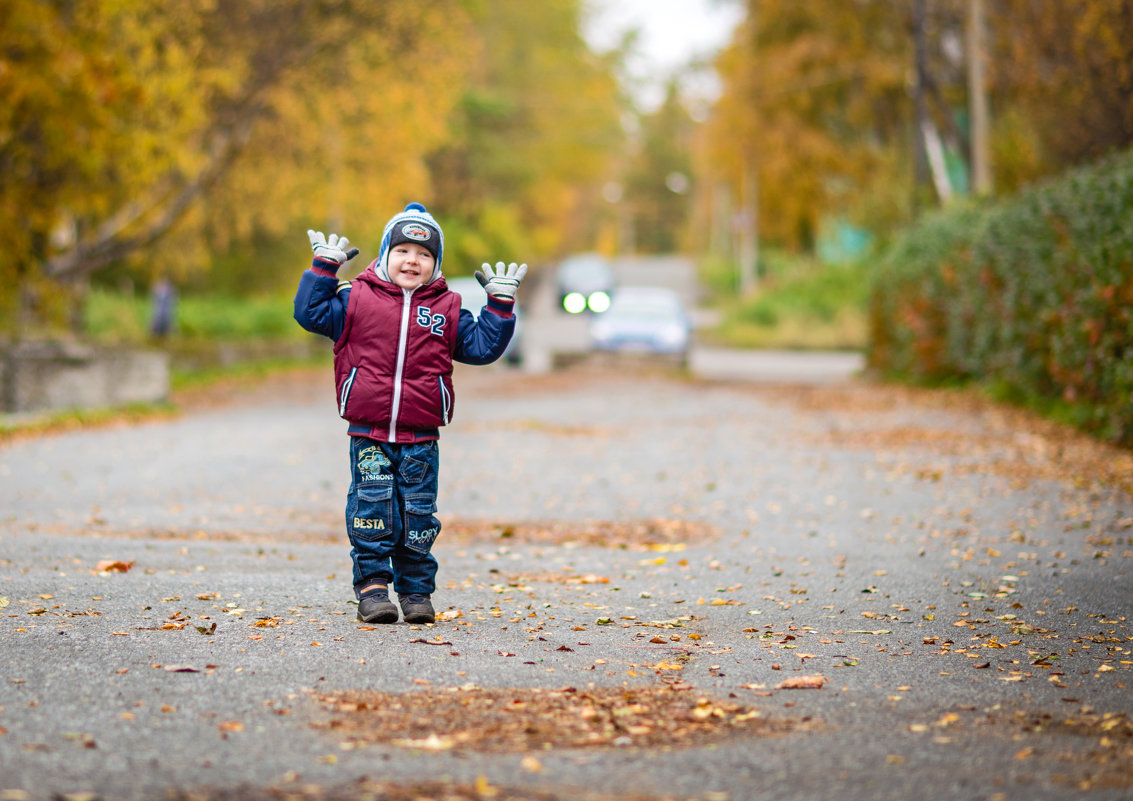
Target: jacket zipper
(345, 396)
(446, 401)
(402, 339)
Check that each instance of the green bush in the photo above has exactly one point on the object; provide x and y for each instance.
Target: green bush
(1033, 296)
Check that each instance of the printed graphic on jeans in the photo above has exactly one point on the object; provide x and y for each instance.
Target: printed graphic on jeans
(371, 461)
(422, 540)
(361, 523)
(371, 512)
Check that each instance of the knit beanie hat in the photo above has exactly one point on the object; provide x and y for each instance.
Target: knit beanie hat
(414, 225)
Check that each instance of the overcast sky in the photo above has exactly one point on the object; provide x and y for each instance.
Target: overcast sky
(672, 34)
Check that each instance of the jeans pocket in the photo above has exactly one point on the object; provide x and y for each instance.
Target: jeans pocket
(373, 513)
(421, 524)
(413, 470)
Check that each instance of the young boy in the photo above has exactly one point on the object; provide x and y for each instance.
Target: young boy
(397, 330)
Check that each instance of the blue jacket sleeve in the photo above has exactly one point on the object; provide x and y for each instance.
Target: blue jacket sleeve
(483, 340)
(320, 302)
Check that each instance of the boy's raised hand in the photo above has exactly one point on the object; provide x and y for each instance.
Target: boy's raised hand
(336, 250)
(503, 281)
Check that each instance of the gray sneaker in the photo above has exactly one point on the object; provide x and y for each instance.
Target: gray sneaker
(417, 608)
(376, 607)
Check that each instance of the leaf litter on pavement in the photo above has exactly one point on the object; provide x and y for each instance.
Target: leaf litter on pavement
(475, 718)
(1085, 748)
(654, 533)
(993, 437)
(294, 788)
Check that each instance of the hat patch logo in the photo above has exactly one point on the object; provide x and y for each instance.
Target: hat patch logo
(416, 231)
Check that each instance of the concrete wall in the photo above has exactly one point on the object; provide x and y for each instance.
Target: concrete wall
(49, 376)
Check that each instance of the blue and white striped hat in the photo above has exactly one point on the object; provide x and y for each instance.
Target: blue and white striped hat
(415, 225)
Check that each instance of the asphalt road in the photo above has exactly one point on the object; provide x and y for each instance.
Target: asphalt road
(954, 572)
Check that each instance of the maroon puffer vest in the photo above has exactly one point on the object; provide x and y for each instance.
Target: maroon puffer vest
(393, 362)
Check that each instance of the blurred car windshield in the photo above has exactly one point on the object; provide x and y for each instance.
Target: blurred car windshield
(585, 272)
(646, 302)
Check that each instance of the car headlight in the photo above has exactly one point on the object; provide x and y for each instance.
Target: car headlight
(575, 303)
(598, 302)
(673, 336)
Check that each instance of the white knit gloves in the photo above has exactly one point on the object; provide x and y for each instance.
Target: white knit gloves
(335, 250)
(503, 281)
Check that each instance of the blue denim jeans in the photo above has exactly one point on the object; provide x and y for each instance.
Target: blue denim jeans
(391, 514)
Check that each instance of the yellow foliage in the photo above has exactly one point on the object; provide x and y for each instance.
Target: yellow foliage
(535, 132)
(162, 136)
(817, 103)
(809, 91)
(164, 132)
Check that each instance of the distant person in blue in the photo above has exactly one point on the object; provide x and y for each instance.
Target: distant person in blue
(397, 329)
(164, 304)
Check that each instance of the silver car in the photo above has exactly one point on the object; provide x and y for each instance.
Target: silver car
(644, 319)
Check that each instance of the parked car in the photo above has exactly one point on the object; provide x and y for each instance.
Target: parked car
(473, 298)
(644, 319)
(585, 283)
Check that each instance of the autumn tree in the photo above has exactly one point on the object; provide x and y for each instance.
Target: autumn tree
(1062, 84)
(658, 176)
(817, 115)
(163, 132)
(532, 140)
(814, 99)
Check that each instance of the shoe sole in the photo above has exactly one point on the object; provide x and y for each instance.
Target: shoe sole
(381, 617)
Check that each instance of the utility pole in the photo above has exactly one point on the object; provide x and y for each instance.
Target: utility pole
(720, 217)
(749, 225)
(977, 100)
(920, 51)
(749, 187)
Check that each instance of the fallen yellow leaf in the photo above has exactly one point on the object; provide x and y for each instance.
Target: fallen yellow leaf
(431, 743)
(814, 682)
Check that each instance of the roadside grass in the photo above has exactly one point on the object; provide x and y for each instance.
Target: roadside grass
(215, 338)
(798, 304)
(123, 318)
(15, 427)
(189, 381)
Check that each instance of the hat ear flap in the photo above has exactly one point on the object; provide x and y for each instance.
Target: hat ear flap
(381, 266)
